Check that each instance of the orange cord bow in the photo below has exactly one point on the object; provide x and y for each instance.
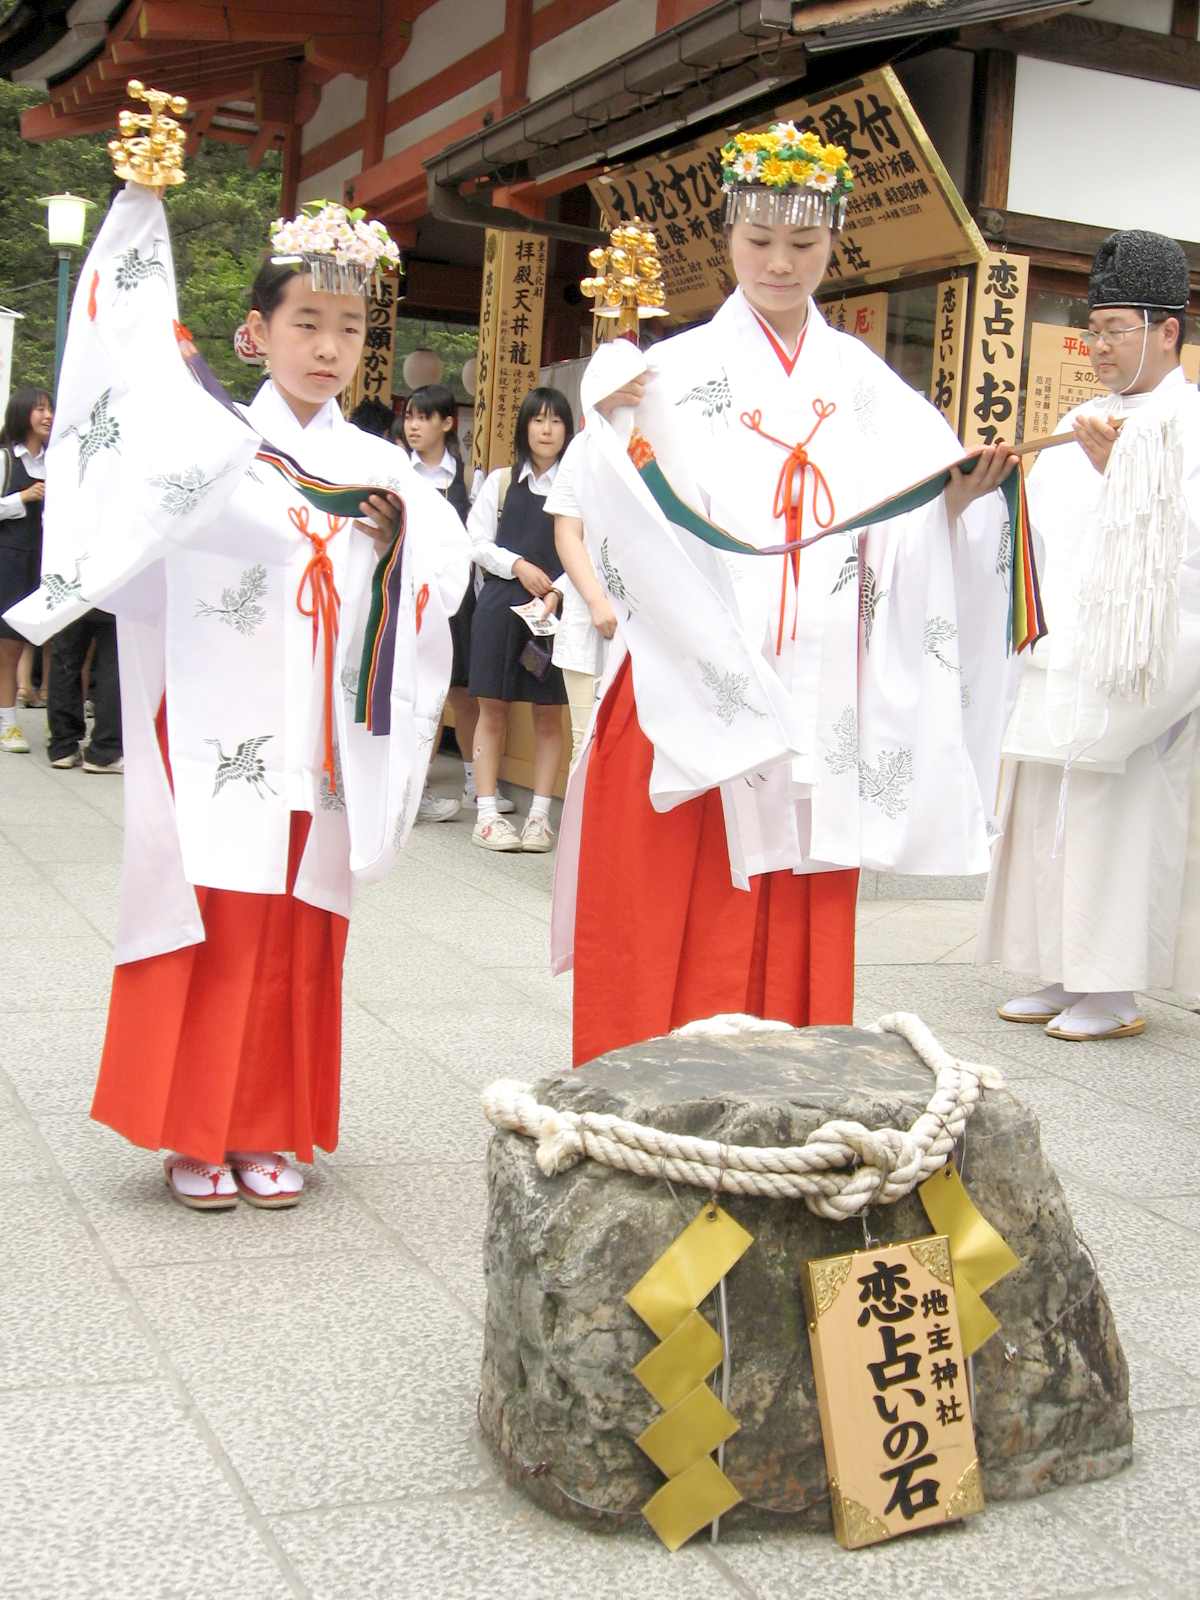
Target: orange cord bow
(317, 585)
(789, 500)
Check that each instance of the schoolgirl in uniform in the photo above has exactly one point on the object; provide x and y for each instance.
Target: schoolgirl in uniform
(512, 539)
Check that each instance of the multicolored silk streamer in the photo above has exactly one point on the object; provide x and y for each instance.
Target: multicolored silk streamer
(1026, 621)
(980, 1256)
(373, 705)
(694, 1422)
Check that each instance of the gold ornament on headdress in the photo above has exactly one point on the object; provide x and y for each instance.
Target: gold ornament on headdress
(150, 148)
(628, 278)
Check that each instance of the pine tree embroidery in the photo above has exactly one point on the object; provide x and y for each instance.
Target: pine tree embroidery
(102, 433)
(729, 691)
(939, 632)
(133, 269)
(183, 491)
(610, 575)
(881, 783)
(239, 607)
(333, 797)
(245, 765)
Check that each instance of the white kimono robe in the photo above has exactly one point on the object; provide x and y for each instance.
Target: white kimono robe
(158, 511)
(1095, 884)
(870, 738)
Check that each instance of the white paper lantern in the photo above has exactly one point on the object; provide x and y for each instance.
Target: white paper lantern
(470, 375)
(422, 367)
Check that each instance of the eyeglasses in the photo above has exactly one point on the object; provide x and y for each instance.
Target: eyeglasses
(1112, 337)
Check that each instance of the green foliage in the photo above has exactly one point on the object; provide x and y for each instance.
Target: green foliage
(219, 221)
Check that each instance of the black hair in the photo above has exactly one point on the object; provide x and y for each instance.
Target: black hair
(372, 416)
(435, 400)
(18, 415)
(534, 403)
(270, 286)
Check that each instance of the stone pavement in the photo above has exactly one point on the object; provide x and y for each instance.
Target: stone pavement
(285, 1404)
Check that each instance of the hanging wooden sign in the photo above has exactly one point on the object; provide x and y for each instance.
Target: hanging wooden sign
(892, 1389)
(864, 316)
(949, 342)
(373, 380)
(510, 340)
(995, 349)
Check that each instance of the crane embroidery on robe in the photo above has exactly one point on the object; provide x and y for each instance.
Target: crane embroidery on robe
(239, 608)
(183, 491)
(610, 574)
(713, 396)
(729, 691)
(102, 433)
(133, 269)
(349, 681)
(884, 782)
(60, 591)
(870, 597)
(245, 765)
(1004, 554)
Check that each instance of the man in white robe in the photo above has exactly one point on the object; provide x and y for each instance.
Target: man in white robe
(1093, 884)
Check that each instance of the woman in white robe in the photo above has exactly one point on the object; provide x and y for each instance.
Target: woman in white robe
(262, 778)
(771, 724)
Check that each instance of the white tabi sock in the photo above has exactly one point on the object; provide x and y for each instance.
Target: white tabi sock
(540, 806)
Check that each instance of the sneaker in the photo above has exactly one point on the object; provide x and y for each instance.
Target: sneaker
(503, 804)
(71, 759)
(14, 741)
(200, 1185)
(107, 766)
(437, 808)
(537, 835)
(266, 1179)
(494, 833)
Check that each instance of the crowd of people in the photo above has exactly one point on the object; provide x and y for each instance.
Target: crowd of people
(758, 709)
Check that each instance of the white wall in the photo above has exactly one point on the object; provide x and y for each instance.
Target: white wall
(343, 102)
(1067, 125)
(441, 36)
(408, 133)
(1154, 16)
(327, 185)
(590, 44)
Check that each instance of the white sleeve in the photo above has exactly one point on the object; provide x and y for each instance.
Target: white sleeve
(562, 501)
(11, 507)
(483, 521)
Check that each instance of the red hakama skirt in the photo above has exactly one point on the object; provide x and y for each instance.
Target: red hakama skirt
(662, 937)
(235, 1043)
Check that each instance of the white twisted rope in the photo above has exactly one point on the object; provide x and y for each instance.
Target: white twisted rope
(840, 1170)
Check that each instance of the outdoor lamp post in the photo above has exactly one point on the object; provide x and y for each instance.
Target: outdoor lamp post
(66, 217)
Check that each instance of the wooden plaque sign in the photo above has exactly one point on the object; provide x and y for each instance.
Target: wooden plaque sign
(864, 316)
(905, 215)
(892, 1389)
(994, 353)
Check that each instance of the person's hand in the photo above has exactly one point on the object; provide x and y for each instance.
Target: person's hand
(381, 520)
(531, 578)
(604, 618)
(550, 603)
(995, 463)
(632, 394)
(1097, 436)
(35, 491)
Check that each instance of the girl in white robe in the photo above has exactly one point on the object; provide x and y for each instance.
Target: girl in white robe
(262, 776)
(771, 724)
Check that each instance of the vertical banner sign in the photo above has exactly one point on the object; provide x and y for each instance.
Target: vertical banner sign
(949, 339)
(8, 322)
(994, 356)
(892, 1390)
(373, 380)
(510, 340)
(485, 350)
(864, 316)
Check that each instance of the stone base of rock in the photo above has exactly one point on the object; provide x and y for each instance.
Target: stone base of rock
(559, 1405)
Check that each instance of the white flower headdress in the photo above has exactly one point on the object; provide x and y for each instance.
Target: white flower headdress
(340, 248)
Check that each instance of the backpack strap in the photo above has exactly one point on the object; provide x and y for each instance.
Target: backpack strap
(505, 486)
(8, 468)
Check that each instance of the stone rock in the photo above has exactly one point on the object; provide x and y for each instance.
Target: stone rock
(559, 1405)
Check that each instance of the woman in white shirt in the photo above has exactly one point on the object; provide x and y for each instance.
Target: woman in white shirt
(512, 539)
(27, 422)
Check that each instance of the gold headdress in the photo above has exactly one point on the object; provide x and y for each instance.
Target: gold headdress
(785, 176)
